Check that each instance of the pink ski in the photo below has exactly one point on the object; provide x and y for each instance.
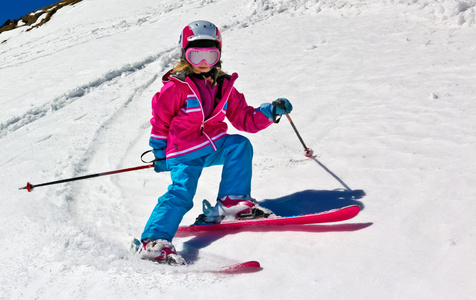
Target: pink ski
(335, 215)
(246, 267)
(240, 268)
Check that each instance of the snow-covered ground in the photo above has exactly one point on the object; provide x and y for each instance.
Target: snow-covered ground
(383, 91)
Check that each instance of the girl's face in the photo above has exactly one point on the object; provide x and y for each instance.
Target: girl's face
(202, 68)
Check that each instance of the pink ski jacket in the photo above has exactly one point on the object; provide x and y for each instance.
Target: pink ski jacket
(179, 123)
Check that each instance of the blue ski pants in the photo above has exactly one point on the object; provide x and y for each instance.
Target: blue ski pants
(235, 154)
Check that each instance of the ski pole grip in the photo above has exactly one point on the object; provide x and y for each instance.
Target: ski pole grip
(278, 103)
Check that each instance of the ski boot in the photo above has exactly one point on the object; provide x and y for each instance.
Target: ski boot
(231, 207)
(160, 251)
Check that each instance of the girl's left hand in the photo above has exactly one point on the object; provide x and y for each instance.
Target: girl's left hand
(283, 106)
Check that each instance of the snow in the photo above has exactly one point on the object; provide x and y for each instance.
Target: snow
(383, 92)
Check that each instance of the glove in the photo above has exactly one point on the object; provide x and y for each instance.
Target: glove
(280, 107)
(158, 146)
(160, 166)
(283, 106)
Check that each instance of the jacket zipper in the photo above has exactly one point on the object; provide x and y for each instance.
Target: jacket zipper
(203, 119)
(203, 123)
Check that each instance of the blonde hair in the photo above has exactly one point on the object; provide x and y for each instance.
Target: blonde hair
(182, 65)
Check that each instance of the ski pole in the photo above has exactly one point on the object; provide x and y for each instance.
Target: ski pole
(308, 151)
(280, 104)
(29, 187)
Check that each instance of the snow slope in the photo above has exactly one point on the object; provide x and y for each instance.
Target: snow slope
(383, 92)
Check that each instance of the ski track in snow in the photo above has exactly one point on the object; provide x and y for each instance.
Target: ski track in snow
(388, 108)
(58, 103)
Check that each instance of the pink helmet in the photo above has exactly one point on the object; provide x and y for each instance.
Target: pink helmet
(200, 32)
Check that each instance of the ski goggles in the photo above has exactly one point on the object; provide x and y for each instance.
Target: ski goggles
(196, 56)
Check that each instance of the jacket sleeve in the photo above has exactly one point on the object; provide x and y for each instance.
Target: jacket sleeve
(165, 105)
(244, 117)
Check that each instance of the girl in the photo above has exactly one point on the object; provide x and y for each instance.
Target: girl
(189, 133)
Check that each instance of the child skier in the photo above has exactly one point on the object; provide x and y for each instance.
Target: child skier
(189, 133)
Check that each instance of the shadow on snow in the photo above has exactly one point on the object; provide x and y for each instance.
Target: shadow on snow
(304, 202)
